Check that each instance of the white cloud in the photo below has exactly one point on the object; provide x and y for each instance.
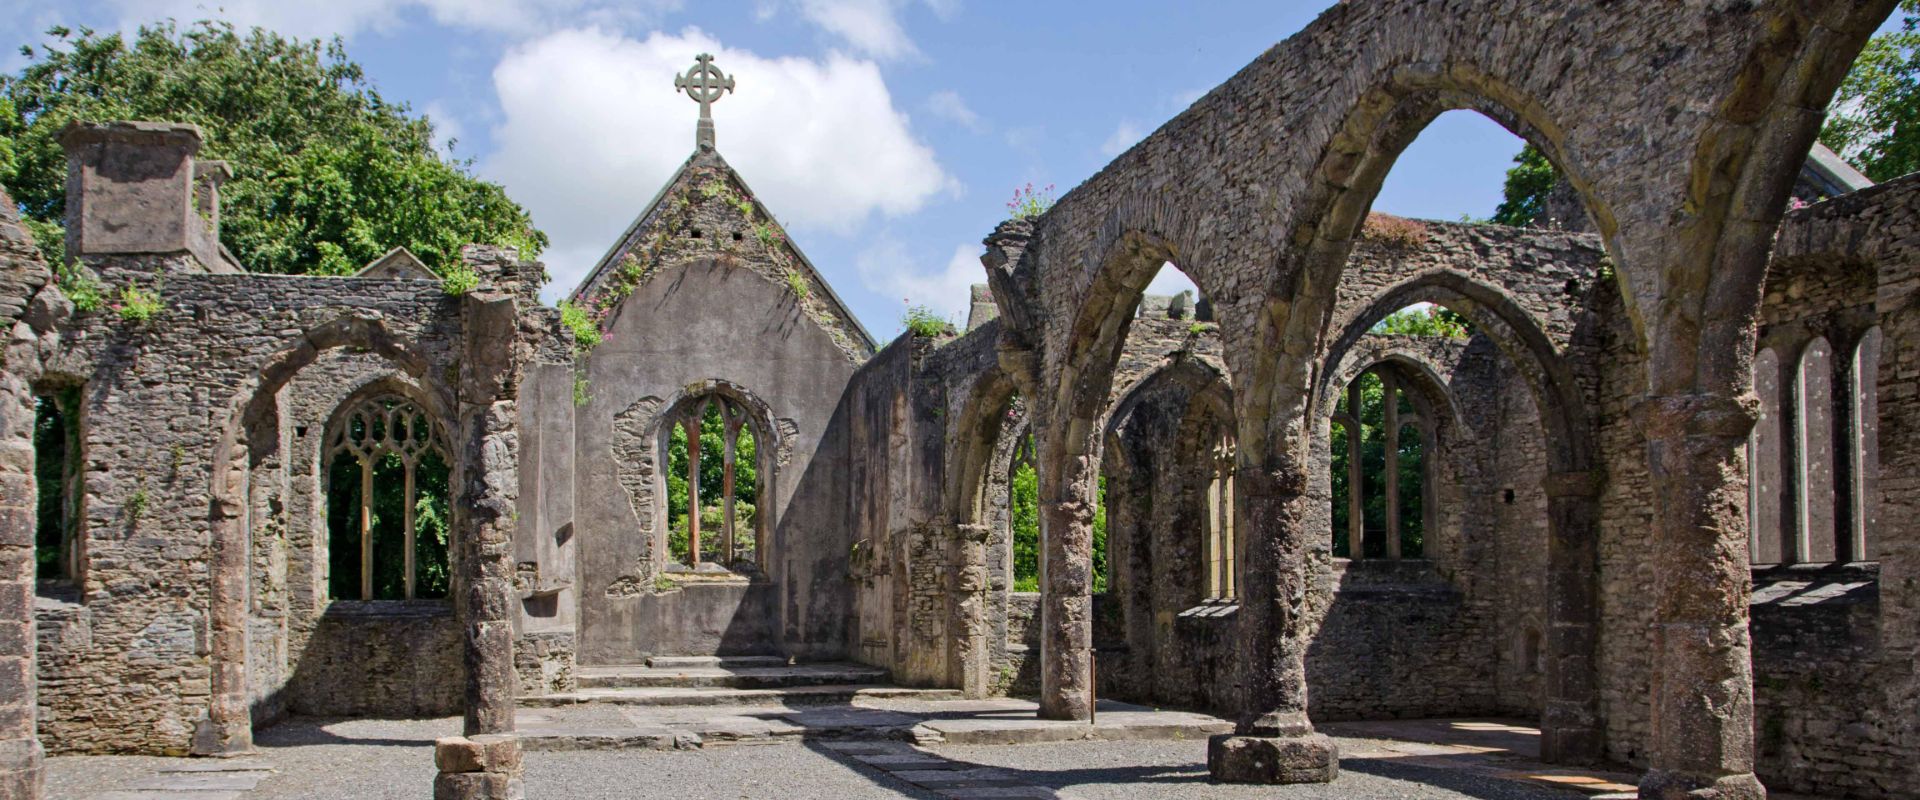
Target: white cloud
(1123, 137)
(346, 18)
(948, 105)
(870, 26)
(592, 126)
(888, 269)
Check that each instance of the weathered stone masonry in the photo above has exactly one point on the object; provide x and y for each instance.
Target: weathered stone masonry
(1587, 558)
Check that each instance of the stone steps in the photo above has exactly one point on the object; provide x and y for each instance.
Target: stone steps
(723, 662)
(726, 674)
(824, 694)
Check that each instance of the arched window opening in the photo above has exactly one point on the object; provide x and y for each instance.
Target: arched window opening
(1765, 476)
(1813, 447)
(1221, 544)
(1023, 520)
(714, 486)
(1023, 499)
(1173, 295)
(57, 474)
(1520, 190)
(1866, 447)
(388, 515)
(1379, 471)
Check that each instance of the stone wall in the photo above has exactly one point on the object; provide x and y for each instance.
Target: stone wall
(703, 295)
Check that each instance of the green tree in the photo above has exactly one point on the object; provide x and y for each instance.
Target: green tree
(328, 175)
(1874, 120)
(1428, 320)
(1528, 183)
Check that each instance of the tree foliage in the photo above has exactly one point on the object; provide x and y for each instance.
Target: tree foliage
(1373, 468)
(1429, 320)
(1874, 120)
(328, 175)
(1524, 195)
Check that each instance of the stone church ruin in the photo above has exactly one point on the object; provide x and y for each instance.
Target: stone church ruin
(1661, 494)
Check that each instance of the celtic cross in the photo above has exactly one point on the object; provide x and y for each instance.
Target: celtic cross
(705, 84)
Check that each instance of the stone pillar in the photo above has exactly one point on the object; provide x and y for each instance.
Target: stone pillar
(228, 728)
(972, 666)
(1702, 683)
(1273, 741)
(20, 754)
(483, 516)
(1570, 730)
(1067, 481)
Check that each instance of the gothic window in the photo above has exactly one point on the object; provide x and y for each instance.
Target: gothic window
(1221, 546)
(1813, 449)
(57, 462)
(1866, 447)
(1814, 455)
(1765, 458)
(1379, 470)
(714, 485)
(387, 497)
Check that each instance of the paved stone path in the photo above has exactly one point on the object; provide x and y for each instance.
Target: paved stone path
(943, 777)
(607, 726)
(196, 779)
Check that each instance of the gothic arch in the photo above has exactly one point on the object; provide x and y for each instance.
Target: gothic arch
(251, 411)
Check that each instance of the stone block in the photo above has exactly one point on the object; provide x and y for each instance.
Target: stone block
(500, 751)
(1259, 759)
(458, 754)
(477, 786)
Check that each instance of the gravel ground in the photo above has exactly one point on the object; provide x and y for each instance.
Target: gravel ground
(393, 760)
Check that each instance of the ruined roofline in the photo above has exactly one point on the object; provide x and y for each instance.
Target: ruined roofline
(712, 157)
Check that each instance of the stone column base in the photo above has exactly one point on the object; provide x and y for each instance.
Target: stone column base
(1312, 758)
(222, 739)
(22, 773)
(1570, 734)
(1659, 785)
(485, 767)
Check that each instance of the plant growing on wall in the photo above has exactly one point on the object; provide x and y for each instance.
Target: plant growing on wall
(459, 279)
(1029, 202)
(584, 324)
(138, 304)
(1394, 231)
(80, 288)
(923, 321)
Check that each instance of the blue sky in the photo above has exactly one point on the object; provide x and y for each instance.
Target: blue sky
(887, 134)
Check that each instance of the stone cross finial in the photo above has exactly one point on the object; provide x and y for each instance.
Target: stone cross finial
(705, 84)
